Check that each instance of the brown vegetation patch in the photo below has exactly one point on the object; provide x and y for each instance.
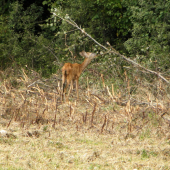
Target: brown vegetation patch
(102, 130)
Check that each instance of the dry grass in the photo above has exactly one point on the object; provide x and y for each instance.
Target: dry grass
(104, 129)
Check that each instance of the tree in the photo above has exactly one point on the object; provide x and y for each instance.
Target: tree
(150, 42)
(20, 44)
(104, 20)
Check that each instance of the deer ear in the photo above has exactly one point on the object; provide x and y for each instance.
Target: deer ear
(83, 54)
(87, 55)
(92, 55)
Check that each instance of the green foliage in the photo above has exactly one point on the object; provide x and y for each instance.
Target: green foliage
(138, 28)
(19, 46)
(104, 20)
(150, 34)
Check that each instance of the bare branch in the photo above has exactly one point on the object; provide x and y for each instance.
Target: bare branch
(82, 30)
(71, 22)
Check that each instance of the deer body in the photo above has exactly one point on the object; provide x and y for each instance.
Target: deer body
(72, 72)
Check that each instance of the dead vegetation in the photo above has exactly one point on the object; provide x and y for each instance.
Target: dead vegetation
(104, 129)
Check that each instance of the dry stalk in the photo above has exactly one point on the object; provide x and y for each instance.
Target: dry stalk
(107, 122)
(22, 96)
(100, 99)
(110, 93)
(13, 96)
(103, 81)
(16, 116)
(92, 115)
(128, 110)
(41, 93)
(149, 99)
(112, 124)
(70, 110)
(59, 90)
(97, 98)
(22, 123)
(58, 87)
(84, 117)
(37, 116)
(6, 91)
(104, 123)
(128, 87)
(35, 82)
(44, 110)
(77, 127)
(89, 102)
(25, 76)
(54, 121)
(113, 92)
(88, 93)
(127, 80)
(10, 120)
(53, 105)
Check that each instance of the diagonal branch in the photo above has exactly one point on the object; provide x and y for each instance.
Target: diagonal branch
(71, 22)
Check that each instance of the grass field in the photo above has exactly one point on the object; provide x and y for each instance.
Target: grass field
(104, 129)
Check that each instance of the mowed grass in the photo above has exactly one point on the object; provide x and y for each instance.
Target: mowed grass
(101, 130)
(63, 148)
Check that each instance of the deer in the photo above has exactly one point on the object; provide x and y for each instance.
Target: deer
(71, 72)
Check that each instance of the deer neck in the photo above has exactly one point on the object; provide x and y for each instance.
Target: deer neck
(84, 64)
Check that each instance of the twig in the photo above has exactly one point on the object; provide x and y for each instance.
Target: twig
(71, 22)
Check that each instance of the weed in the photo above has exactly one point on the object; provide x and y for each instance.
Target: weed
(145, 134)
(138, 152)
(8, 141)
(154, 153)
(58, 145)
(144, 154)
(45, 128)
(154, 119)
(94, 166)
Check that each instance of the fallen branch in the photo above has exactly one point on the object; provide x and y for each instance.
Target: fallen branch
(71, 22)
